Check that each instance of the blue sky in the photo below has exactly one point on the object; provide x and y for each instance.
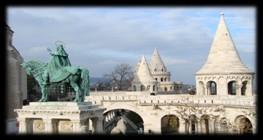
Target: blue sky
(99, 38)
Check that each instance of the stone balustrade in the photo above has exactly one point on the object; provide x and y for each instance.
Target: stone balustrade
(144, 98)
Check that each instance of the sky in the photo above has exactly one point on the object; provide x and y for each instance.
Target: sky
(99, 38)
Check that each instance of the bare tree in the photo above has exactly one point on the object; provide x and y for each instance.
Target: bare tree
(121, 77)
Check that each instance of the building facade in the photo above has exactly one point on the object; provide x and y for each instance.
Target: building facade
(223, 104)
(16, 82)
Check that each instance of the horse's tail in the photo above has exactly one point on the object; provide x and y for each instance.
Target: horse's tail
(85, 81)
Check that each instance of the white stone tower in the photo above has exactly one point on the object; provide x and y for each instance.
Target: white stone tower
(158, 69)
(224, 73)
(160, 73)
(143, 80)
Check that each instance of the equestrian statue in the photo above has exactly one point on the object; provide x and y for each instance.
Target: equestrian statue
(59, 71)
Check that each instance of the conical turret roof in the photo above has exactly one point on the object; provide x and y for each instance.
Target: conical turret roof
(223, 56)
(156, 64)
(143, 73)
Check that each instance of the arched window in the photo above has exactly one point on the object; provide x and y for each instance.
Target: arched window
(204, 124)
(193, 124)
(244, 88)
(165, 79)
(153, 87)
(170, 124)
(156, 79)
(134, 88)
(231, 86)
(142, 88)
(162, 69)
(165, 88)
(212, 88)
(161, 79)
(155, 69)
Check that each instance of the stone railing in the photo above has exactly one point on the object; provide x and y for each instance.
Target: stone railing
(144, 98)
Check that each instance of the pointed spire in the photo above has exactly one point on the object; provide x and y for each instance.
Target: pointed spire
(156, 64)
(143, 72)
(223, 56)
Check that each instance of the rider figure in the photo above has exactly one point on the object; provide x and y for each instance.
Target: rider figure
(58, 61)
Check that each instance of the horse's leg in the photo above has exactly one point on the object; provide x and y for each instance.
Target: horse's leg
(75, 86)
(43, 93)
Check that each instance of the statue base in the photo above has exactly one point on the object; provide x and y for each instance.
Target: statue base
(60, 117)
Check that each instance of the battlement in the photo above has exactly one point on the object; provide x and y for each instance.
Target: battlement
(144, 98)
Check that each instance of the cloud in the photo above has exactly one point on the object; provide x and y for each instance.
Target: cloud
(99, 38)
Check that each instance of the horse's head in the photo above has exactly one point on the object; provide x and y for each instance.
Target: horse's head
(27, 68)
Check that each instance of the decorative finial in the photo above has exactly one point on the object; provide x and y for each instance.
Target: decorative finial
(222, 13)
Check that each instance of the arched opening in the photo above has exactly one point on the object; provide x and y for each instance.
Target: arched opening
(162, 69)
(165, 79)
(161, 79)
(201, 88)
(123, 121)
(192, 126)
(231, 86)
(156, 79)
(165, 88)
(134, 88)
(142, 87)
(244, 125)
(153, 87)
(212, 88)
(204, 124)
(244, 88)
(169, 124)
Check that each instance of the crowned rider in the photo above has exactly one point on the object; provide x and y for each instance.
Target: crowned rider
(57, 63)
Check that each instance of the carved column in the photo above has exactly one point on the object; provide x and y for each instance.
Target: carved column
(182, 126)
(76, 126)
(211, 125)
(238, 89)
(199, 130)
(97, 125)
(22, 125)
(48, 125)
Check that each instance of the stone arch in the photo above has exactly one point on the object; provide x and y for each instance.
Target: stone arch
(129, 107)
(244, 125)
(170, 124)
(232, 87)
(204, 122)
(244, 88)
(201, 88)
(192, 124)
(211, 88)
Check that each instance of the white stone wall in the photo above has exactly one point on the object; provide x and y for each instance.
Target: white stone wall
(222, 81)
(152, 108)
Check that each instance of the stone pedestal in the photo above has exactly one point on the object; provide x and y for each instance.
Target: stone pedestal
(59, 117)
